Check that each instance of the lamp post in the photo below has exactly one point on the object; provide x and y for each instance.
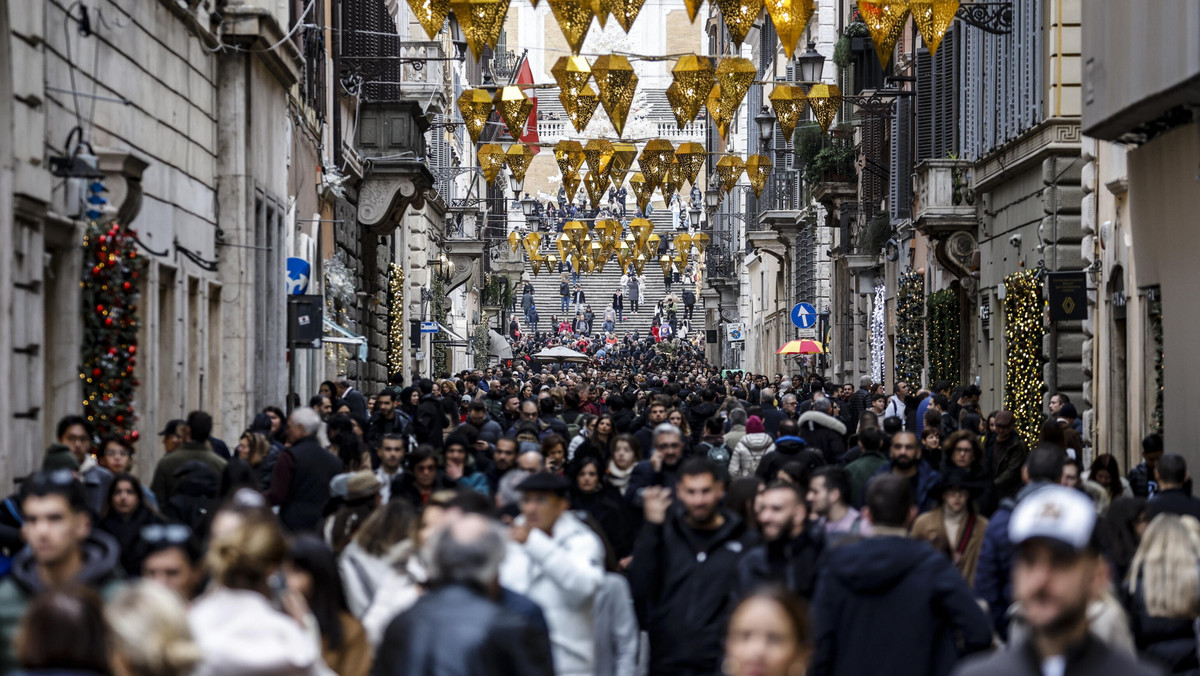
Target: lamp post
(515, 185)
(694, 216)
(810, 64)
(766, 127)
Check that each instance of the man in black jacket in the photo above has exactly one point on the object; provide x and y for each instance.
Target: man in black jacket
(1171, 498)
(770, 415)
(300, 483)
(388, 419)
(431, 417)
(860, 401)
(866, 587)
(683, 561)
(822, 432)
(458, 628)
(352, 397)
(1059, 571)
(789, 555)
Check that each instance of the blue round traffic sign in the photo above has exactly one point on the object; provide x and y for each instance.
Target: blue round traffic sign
(804, 315)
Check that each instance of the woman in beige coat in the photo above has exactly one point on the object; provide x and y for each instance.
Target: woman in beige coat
(953, 527)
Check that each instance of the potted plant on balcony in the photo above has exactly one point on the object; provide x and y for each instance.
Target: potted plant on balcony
(833, 163)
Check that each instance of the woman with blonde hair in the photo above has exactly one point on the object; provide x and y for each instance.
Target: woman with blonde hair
(1163, 592)
(150, 631)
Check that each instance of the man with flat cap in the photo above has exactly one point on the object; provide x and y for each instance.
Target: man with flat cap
(558, 561)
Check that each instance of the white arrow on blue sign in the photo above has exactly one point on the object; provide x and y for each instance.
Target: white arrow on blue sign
(804, 315)
(429, 327)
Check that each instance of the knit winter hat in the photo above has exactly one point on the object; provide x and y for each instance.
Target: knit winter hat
(754, 425)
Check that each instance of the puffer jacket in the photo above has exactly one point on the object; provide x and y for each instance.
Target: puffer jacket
(748, 453)
(824, 433)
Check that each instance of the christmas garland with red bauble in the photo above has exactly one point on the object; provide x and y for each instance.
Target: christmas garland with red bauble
(111, 289)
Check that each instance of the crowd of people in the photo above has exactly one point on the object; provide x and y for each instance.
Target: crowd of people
(640, 514)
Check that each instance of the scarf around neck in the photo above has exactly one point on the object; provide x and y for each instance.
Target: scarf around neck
(617, 477)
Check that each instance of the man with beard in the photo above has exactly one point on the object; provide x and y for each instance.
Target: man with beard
(388, 419)
(662, 468)
(488, 430)
(504, 458)
(789, 555)
(656, 416)
(906, 462)
(683, 560)
(1057, 573)
(431, 419)
(890, 604)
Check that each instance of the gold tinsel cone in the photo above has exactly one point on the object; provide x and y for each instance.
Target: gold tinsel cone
(622, 160)
(716, 111)
(735, 74)
(573, 17)
(655, 160)
(517, 157)
(481, 22)
(739, 16)
(625, 11)
(475, 106)
(491, 159)
(885, 19)
(730, 168)
(825, 100)
(616, 81)
(580, 109)
(642, 189)
(758, 170)
(790, 17)
(431, 14)
(789, 102)
(691, 159)
(571, 183)
(693, 78)
(933, 19)
(569, 155)
(514, 107)
(598, 154)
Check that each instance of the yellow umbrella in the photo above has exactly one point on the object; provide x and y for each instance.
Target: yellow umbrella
(804, 346)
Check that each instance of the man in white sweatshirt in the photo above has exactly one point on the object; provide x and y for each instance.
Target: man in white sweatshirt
(557, 561)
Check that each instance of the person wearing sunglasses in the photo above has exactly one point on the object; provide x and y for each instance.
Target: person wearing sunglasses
(62, 549)
(171, 556)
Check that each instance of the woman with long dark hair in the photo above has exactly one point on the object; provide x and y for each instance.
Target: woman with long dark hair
(1107, 473)
(770, 634)
(612, 512)
(125, 514)
(963, 451)
(312, 570)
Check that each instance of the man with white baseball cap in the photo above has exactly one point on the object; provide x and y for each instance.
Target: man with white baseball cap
(1058, 571)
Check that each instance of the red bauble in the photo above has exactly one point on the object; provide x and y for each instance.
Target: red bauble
(133, 254)
(134, 435)
(132, 362)
(112, 351)
(132, 349)
(99, 309)
(127, 286)
(96, 270)
(108, 321)
(97, 372)
(120, 419)
(134, 274)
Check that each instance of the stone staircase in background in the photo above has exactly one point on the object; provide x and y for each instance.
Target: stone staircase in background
(599, 288)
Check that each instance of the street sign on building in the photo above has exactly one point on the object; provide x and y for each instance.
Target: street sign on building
(804, 315)
(735, 331)
(429, 327)
(1068, 295)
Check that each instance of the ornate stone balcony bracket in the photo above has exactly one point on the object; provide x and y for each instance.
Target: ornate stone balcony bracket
(943, 200)
(391, 140)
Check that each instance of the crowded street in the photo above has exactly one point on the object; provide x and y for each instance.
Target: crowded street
(599, 337)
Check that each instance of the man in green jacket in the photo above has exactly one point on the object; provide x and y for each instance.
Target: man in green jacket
(870, 439)
(61, 549)
(195, 433)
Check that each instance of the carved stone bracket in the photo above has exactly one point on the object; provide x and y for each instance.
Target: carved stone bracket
(123, 179)
(956, 253)
(385, 194)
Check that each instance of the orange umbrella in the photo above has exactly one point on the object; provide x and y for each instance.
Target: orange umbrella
(801, 347)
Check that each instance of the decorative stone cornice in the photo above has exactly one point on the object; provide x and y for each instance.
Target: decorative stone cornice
(123, 179)
(1054, 136)
(256, 28)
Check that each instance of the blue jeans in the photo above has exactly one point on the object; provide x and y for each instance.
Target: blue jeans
(566, 303)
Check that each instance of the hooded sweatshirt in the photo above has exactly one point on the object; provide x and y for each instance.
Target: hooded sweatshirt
(866, 585)
(755, 444)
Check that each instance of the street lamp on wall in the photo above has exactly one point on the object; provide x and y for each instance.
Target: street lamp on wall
(694, 215)
(810, 64)
(766, 127)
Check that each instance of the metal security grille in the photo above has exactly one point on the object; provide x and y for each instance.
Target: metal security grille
(368, 33)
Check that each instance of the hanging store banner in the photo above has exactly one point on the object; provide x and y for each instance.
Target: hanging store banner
(1067, 295)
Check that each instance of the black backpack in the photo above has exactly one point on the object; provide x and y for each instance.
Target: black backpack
(197, 488)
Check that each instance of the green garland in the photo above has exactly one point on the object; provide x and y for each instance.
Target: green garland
(441, 360)
(910, 329)
(110, 290)
(943, 336)
(1023, 333)
(395, 351)
(1156, 335)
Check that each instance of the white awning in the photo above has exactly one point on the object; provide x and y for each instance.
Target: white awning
(347, 337)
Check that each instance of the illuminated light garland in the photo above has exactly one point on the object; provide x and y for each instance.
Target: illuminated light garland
(910, 330)
(878, 334)
(110, 289)
(395, 354)
(441, 360)
(1023, 333)
(943, 336)
(1156, 334)
(482, 345)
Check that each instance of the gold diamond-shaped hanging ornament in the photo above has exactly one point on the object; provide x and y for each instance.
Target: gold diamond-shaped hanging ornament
(481, 22)
(580, 109)
(678, 105)
(625, 11)
(602, 9)
(790, 17)
(651, 245)
(789, 102)
(885, 19)
(564, 244)
(491, 160)
(569, 155)
(739, 16)
(825, 100)
(514, 107)
(571, 183)
(475, 106)
(641, 229)
(431, 14)
(655, 160)
(693, 7)
(616, 81)
(595, 186)
(717, 112)
(576, 231)
(642, 189)
(639, 262)
(513, 241)
(518, 157)
(598, 153)
(933, 19)
(735, 74)
(691, 158)
(672, 181)
(693, 78)
(573, 17)
(700, 241)
(571, 73)
(758, 170)
(730, 168)
(622, 160)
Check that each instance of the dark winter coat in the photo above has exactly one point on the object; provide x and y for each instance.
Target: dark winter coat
(430, 421)
(787, 449)
(643, 475)
(697, 415)
(1092, 658)
(771, 418)
(860, 401)
(301, 484)
(1172, 501)
(791, 562)
(681, 588)
(824, 433)
(993, 574)
(1007, 458)
(927, 485)
(865, 587)
(1141, 480)
(1166, 640)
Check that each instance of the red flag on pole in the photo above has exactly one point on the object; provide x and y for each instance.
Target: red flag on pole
(525, 77)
